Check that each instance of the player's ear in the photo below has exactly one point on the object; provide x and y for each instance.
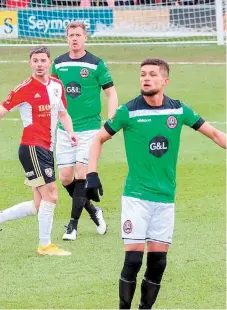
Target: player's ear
(166, 81)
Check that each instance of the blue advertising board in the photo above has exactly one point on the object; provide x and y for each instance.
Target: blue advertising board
(49, 23)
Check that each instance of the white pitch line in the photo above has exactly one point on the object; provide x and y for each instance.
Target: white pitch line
(130, 62)
(169, 62)
(11, 119)
(18, 119)
(13, 61)
(215, 122)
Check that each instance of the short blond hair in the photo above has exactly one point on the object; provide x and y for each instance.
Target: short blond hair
(74, 25)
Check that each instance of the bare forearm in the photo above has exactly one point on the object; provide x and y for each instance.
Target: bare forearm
(96, 149)
(220, 138)
(66, 123)
(94, 155)
(214, 134)
(112, 104)
(3, 112)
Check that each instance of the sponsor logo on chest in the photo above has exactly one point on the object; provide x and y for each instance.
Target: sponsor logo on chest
(44, 110)
(158, 146)
(73, 90)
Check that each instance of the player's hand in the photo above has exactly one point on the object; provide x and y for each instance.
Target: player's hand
(93, 187)
(73, 139)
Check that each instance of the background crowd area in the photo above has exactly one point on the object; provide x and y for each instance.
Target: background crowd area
(87, 3)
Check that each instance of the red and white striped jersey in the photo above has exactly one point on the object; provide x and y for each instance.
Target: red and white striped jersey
(39, 105)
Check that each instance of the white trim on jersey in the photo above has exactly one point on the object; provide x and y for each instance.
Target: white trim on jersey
(75, 64)
(25, 110)
(54, 91)
(24, 83)
(155, 112)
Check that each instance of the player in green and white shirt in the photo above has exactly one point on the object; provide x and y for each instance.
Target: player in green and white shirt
(151, 124)
(83, 76)
(83, 79)
(152, 138)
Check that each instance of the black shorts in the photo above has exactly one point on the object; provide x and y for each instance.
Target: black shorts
(38, 164)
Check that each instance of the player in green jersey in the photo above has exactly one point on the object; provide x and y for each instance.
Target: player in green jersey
(152, 124)
(83, 76)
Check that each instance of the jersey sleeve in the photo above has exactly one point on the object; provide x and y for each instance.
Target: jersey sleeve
(54, 71)
(63, 104)
(191, 118)
(119, 121)
(104, 76)
(13, 100)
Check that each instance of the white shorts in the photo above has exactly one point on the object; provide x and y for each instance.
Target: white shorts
(66, 155)
(143, 220)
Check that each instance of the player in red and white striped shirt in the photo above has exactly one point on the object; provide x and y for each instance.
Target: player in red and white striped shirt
(41, 102)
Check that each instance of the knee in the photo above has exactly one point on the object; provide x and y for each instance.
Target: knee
(66, 176)
(54, 197)
(156, 264)
(36, 204)
(81, 171)
(51, 194)
(132, 264)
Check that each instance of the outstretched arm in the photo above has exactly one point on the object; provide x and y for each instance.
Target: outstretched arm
(96, 149)
(214, 134)
(3, 111)
(93, 183)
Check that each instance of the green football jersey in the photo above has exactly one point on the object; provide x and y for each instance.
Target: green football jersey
(83, 79)
(152, 138)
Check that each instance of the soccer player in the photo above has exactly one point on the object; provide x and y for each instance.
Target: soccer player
(41, 101)
(152, 124)
(83, 76)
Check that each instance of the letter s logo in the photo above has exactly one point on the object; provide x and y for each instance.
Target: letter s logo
(8, 25)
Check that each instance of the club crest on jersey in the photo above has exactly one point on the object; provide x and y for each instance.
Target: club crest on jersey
(55, 92)
(171, 121)
(49, 172)
(127, 227)
(84, 73)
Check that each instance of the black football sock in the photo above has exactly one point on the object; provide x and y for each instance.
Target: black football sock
(126, 293)
(70, 188)
(79, 200)
(149, 293)
(90, 208)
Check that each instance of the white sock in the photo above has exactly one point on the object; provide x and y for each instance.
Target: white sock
(45, 218)
(18, 211)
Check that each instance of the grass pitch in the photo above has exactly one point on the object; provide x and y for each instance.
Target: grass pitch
(195, 277)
